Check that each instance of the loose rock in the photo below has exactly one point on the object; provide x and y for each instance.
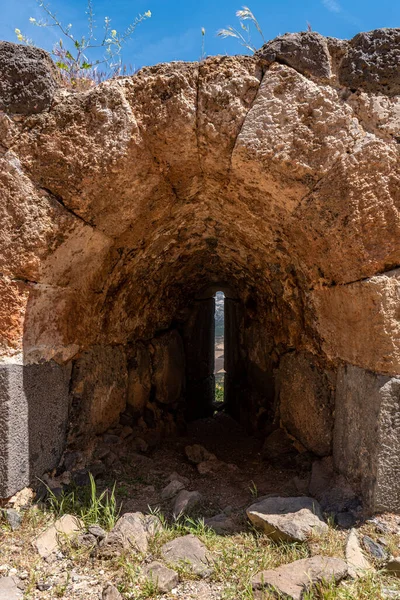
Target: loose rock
(9, 589)
(292, 580)
(221, 524)
(374, 548)
(172, 489)
(111, 593)
(357, 563)
(165, 579)
(13, 518)
(187, 550)
(288, 519)
(49, 541)
(393, 566)
(185, 502)
(131, 532)
(198, 454)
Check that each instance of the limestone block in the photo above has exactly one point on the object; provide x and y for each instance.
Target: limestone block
(306, 401)
(359, 323)
(168, 367)
(14, 297)
(347, 228)
(99, 381)
(139, 378)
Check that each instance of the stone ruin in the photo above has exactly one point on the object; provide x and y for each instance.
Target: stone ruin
(274, 178)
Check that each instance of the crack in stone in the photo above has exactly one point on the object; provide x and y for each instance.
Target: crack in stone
(58, 199)
(198, 120)
(333, 284)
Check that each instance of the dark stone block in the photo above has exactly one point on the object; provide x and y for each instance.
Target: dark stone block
(372, 62)
(306, 52)
(28, 79)
(33, 421)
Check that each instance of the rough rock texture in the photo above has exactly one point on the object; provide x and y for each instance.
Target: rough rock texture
(165, 579)
(131, 532)
(110, 592)
(49, 541)
(288, 519)
(274, 178)
(186, 502)
(99, 384)
(294, 579)
(28, 79)
(9, 589)
(187, 551)
(372, 62)
(307, 52)
(306, 402)
(366, 436)
(29, 443)
(357, 563)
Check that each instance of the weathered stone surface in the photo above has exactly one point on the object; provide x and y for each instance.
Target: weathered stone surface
(331, 489)
(353, 320)
(293, 579)
(131, 532)
(221, 524)
(168, 367)
(172, 489)
(29, 444)
(278, 446)
(187, 551)
(139, 378)
(164, 578)
(306, 402)
(373, 548)
(198, 454)
(12, 517)
(122, 205)
(110, 592)
(9, 589)
(393, 566)
(99, 382)
(356, 561)
(366, 435)
(28, 79)
(372, 62)
(288, 519)
(306, 52)
(48, 542)
(185, 502)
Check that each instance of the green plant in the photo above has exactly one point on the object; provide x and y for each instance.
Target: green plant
(88, 504)
(253, 489)
(219, 392)
(73, 54)
(244, 38)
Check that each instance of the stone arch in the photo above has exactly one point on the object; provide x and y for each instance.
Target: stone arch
(121, 202)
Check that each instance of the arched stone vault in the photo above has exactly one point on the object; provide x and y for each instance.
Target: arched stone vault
(275, 174)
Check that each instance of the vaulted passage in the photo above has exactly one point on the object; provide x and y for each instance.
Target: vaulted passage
(127, 207)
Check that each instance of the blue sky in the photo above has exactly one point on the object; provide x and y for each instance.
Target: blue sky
(174, 30)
